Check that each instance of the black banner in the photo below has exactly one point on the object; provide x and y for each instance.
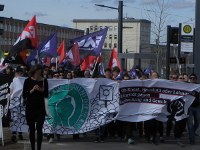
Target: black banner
(5, 81)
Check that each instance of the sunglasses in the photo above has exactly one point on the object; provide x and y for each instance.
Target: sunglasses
(193, 78)
(181, 78)
(56, 76)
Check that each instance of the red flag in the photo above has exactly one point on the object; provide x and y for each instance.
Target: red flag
(30, 32)
(88, 63)
(114, 61)
(76, 55)
(46, 61)
(61, 52)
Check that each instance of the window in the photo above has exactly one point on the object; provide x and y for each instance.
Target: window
(101, 27)
(10, 28)
(5, 27)
(110, 45)
(13, 41)
(110, 36)
(115, 28)
(115, 45)
(110, 28)
(18, 29)
(91, 28)
(10, 42)
(105, 45)
(95, 28)
(5, 41)
(1, 26)
(14, 28)
(115, 37)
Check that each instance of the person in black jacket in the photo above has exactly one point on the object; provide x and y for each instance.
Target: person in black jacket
(35, 89)
(193, 120)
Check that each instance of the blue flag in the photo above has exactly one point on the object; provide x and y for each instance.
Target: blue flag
(48, 48)
(147, 71)
(133, 73)
(91, 44)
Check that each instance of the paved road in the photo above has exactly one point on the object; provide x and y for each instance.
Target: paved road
(112, 144)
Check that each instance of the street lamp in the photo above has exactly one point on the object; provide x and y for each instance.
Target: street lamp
(196, 52)
(120, 26)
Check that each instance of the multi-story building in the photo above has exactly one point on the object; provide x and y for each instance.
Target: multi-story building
(14, 27)
(136, 33)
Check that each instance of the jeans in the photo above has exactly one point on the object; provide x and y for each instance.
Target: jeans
(179, 128)
(99, 133)
(193, 122)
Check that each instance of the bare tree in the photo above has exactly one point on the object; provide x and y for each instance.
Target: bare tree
(158, 16)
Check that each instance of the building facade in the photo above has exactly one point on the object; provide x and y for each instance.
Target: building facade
(14, 27)
(136, 33)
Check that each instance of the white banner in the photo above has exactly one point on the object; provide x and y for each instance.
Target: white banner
(76, 106)
(81, 105)
(148, 99)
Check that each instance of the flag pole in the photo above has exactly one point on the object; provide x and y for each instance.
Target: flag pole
(38, 59)
(56, 63)
(95, 65)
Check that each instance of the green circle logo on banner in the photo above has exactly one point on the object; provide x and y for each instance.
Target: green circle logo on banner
(69, 106)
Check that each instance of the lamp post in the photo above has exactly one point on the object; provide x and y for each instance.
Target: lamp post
(120, 27)
(196, 51)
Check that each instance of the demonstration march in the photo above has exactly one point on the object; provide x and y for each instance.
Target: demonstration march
(52, 89)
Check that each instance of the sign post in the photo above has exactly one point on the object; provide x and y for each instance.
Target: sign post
(1, 124)
(187, 38)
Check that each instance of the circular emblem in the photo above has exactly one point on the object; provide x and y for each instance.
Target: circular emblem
(187, 29)
(68, 106)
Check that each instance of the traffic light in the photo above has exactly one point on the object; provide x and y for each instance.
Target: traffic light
(1, 19)
(174, 35)
(182, 60)
(1, 7)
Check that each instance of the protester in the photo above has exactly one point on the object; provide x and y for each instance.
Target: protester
(173, 77)
(160, 126)
(61, 75)
(87, 74)
(128, 126)
(46, 72)
(180, 78)
(116, 73)
(35, 89)
(55, 75)
(69, 75)
(108, 73)
(180, 125)
(185, 77)
(194, 113)
(18, 73)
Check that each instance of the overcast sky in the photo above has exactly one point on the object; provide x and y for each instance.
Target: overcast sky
(62, 12)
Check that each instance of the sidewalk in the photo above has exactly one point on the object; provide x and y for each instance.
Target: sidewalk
(87, 143)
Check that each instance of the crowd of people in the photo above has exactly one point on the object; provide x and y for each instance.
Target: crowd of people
(36, 85)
